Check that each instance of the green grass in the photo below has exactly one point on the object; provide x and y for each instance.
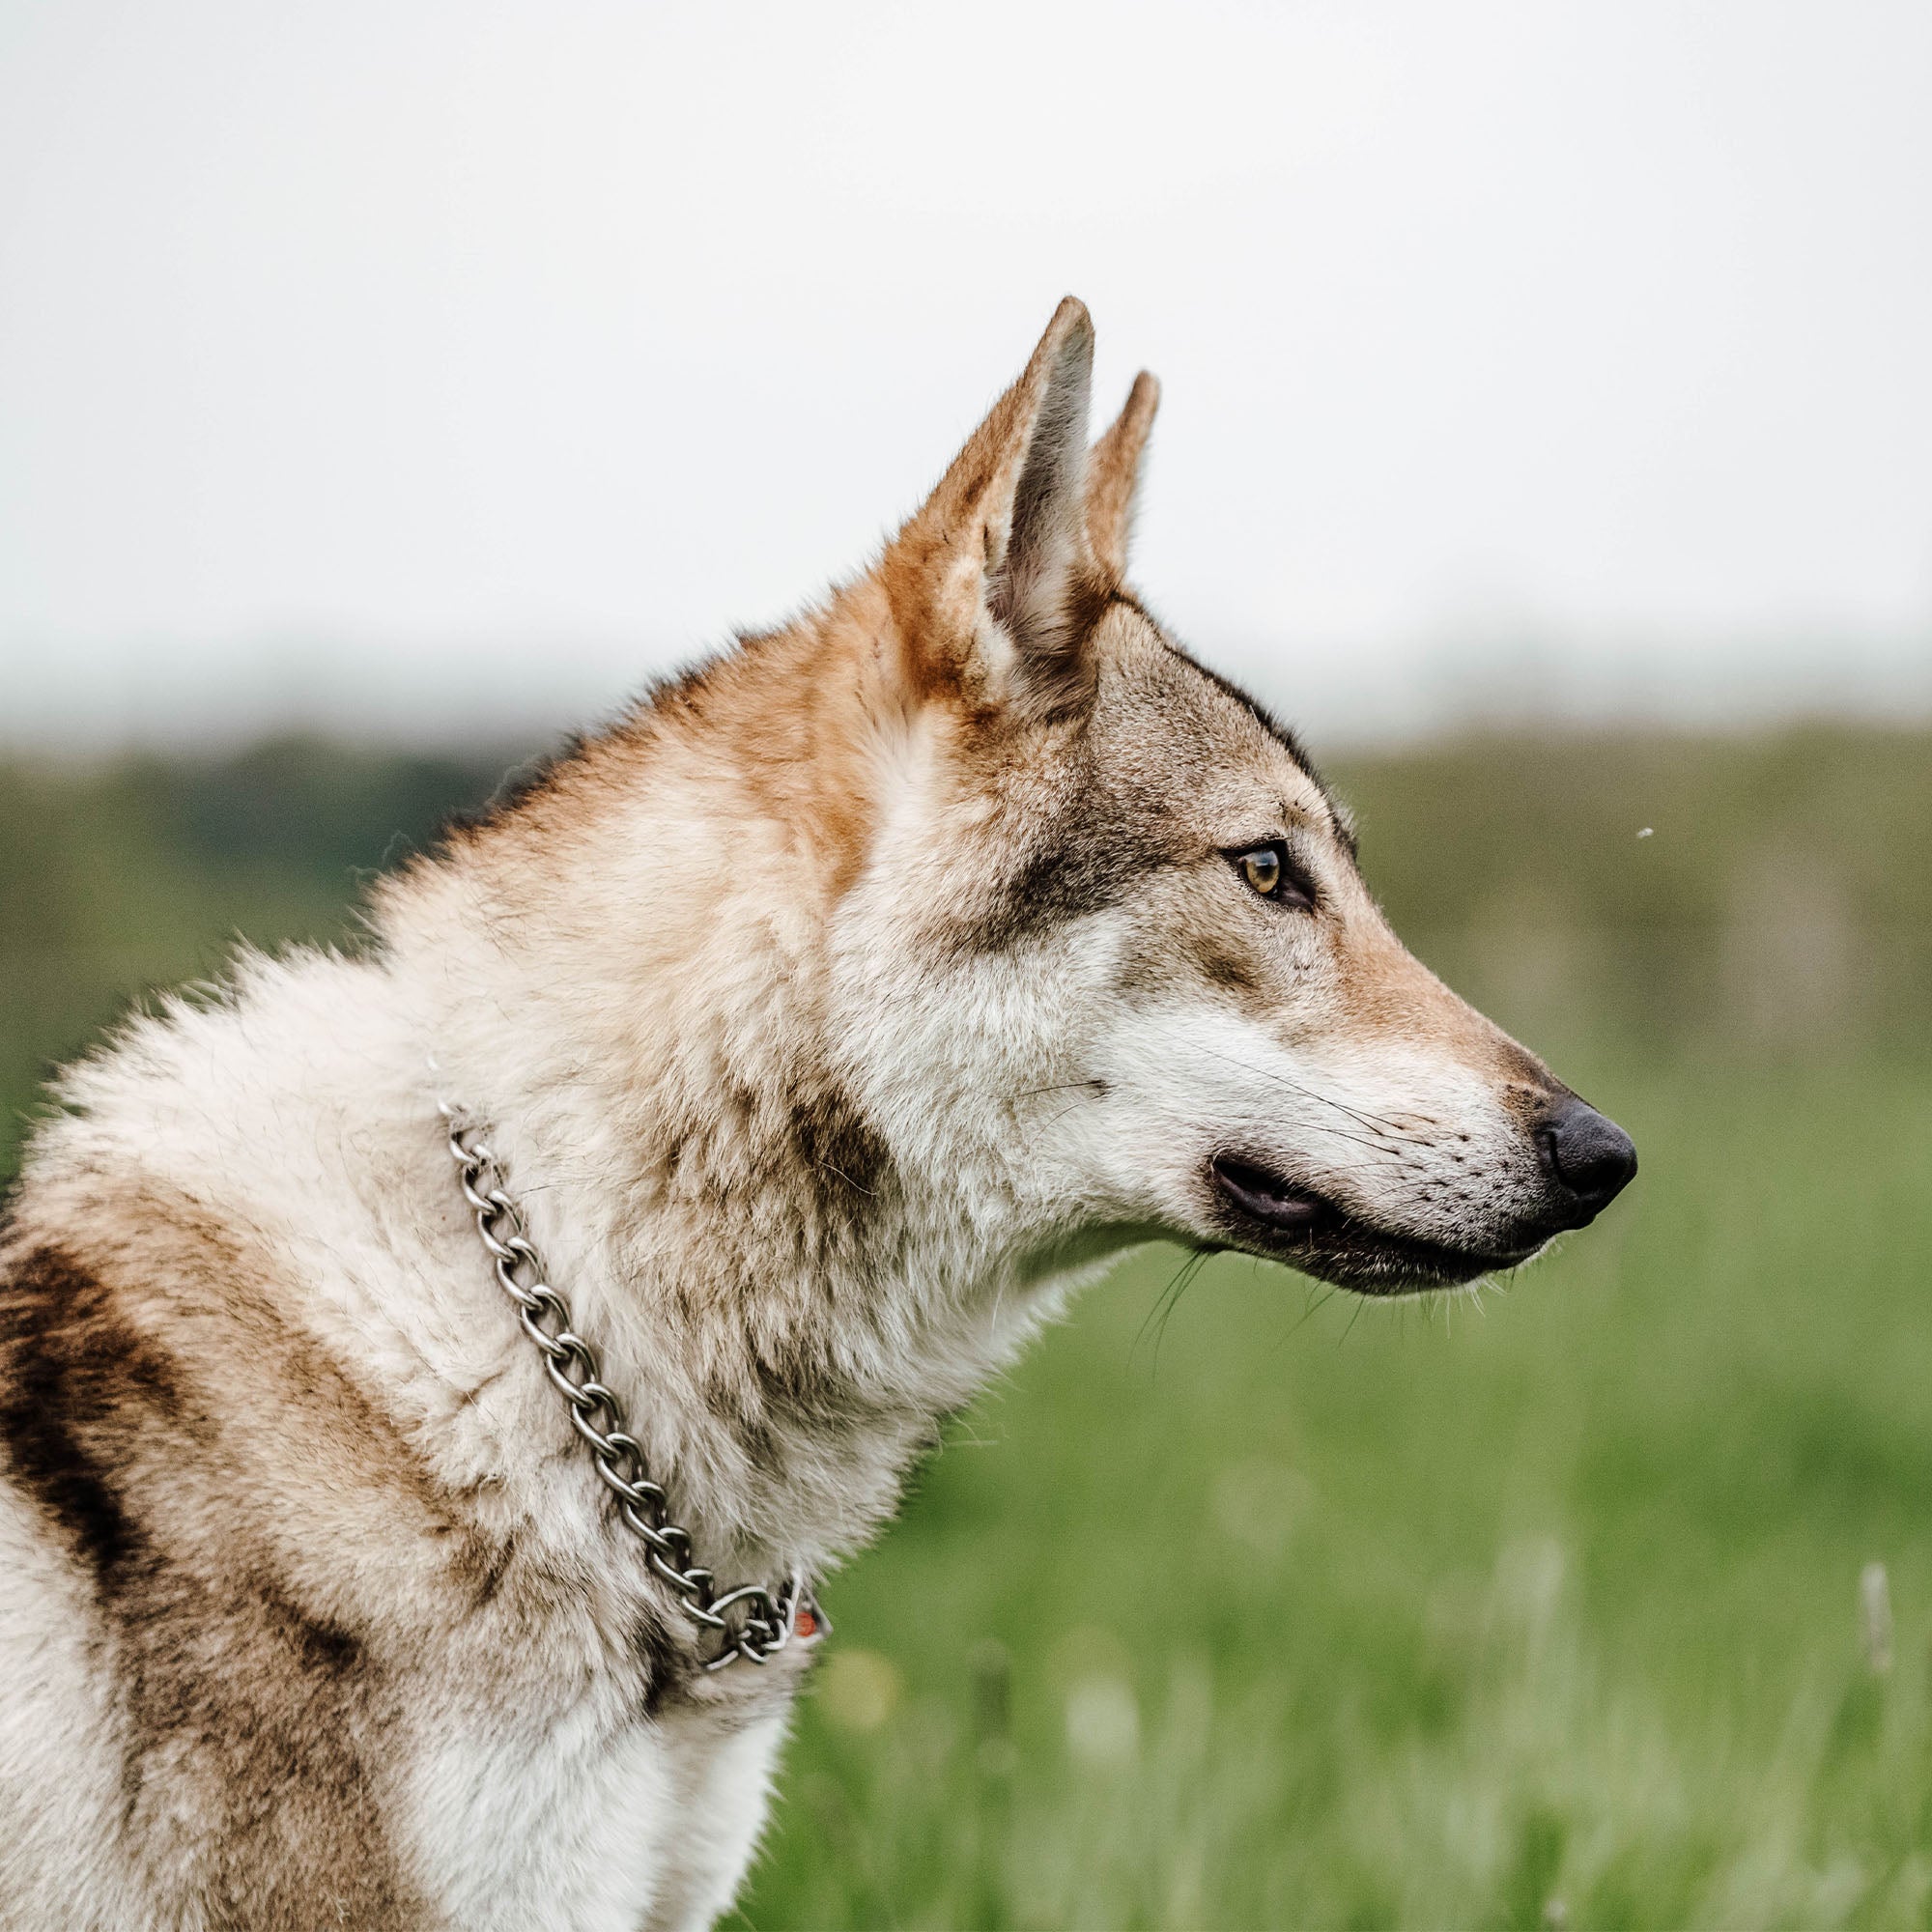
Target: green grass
(1271, 1608)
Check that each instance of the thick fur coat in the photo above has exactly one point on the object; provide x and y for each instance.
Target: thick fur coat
(831, 1015)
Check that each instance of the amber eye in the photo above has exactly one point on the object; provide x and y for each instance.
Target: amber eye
(1262, 869)
(1266, 870)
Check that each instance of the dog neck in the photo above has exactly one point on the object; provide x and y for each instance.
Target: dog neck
(624, 981)
(786, 1337)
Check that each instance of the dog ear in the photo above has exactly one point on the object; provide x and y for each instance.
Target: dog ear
(1113, 475)
(993, 582)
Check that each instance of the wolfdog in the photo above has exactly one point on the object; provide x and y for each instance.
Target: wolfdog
(434, 1381)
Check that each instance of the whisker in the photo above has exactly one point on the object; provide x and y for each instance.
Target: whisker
(1188, 1279)
(1165, 1303)
(1316, 1303)
(1361, 1303)
(1058, 1087)
(1358, 1114)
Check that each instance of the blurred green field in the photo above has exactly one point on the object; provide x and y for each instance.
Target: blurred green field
(1258, 1606)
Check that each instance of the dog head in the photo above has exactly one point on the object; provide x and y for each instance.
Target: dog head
(1109, 961)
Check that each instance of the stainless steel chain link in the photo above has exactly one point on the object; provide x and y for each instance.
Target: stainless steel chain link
(753, 1622)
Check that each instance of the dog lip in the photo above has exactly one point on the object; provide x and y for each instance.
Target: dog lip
(1309, 1232)
(1267, 1198)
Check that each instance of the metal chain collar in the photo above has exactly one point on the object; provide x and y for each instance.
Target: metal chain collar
(766, 1619)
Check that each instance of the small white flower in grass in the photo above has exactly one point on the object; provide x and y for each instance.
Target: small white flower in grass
(1875, 1600)
(1648, 831)
(860, 1689)
(1103, 1722)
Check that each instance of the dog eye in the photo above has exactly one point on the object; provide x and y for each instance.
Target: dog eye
(1265, 869)
(1262, 869)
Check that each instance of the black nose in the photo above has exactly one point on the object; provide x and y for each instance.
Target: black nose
(1589, 1157)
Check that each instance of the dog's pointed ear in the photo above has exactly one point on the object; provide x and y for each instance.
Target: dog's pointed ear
(993, 582)
(1113, 475)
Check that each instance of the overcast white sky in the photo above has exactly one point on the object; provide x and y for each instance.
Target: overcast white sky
(452, 365)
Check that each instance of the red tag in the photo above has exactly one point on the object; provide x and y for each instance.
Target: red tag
(804, 1624)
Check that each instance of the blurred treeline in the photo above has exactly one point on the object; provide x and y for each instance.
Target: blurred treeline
(1650, 894)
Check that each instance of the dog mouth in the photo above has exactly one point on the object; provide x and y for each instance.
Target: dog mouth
(1269, 1214)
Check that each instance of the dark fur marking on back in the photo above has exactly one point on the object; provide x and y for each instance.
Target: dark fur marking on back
(241, 1707)
(67, 1359)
